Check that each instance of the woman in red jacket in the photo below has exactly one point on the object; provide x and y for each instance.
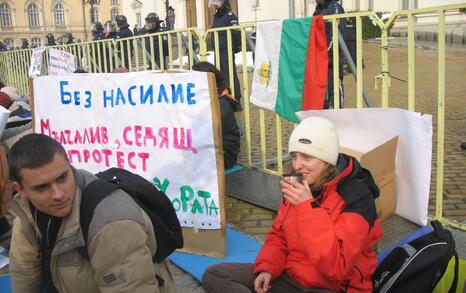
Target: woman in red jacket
(322, 239)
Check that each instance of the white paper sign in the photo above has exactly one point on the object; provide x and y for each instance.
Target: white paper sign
(36, 61)
(156, 125)
(361, 129)
(61, 62)
(4, 115)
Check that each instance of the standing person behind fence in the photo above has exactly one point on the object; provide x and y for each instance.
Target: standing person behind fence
(109, 48)
(329, 7)
(121, 240)
(97, 31)
(68, 39)
(152, 26)
(50, 40)
(323, 236)
(171, 18)
(24, 43)
(224, 17)
(124, 32)
(98, 51)
(230, 129)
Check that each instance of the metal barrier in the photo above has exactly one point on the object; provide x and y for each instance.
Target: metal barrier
(106, 55)
(385, 80)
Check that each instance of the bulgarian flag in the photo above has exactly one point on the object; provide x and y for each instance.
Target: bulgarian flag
(291, 65)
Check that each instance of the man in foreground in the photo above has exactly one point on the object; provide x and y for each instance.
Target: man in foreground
(47, 244)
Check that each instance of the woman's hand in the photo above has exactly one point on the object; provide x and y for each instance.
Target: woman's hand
(262, 282)
(295, 192)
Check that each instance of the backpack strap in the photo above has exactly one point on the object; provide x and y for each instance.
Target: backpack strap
(454, 284)
(439, 230)
(91, 196)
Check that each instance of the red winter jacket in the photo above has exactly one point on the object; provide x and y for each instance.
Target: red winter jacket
(326, 242)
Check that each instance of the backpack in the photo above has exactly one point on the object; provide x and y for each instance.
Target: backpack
(418, 265)
(154, 202)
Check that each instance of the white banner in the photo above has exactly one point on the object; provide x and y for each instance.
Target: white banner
(158, 125)
(61, 62)
(265, 78)
(358, 128)
(4, 115)
(36, 61)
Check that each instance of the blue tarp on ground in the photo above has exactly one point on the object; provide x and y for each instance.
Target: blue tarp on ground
(5, 286)
(240, 248)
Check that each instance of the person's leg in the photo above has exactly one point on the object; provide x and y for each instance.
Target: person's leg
(4, 226)
(226, 76)
(224, 65)
(229, 277)
(342, 94)
(285, 284)
(235, 78)
(329, 99)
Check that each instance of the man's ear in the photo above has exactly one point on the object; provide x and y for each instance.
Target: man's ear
(19, 188)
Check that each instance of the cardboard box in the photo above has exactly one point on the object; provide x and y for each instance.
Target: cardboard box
(380, 161)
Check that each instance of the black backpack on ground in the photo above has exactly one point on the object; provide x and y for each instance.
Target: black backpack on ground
(418, 265)
(154, 202)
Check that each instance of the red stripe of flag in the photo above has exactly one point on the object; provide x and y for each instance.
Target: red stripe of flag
(315, 76)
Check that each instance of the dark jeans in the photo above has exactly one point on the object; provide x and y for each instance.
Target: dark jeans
(239, 278)
(4, 226)
(226, 75)
(330, 89)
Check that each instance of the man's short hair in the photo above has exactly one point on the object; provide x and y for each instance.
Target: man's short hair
(33, 151)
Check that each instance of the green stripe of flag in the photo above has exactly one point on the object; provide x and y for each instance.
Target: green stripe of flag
(293, 52)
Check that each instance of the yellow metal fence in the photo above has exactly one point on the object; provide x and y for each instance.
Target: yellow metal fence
(262, 127)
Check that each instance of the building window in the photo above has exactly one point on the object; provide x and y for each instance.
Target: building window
(5, 15)
(405, 4)
(114, 2)
(59, 15)
(94, 15)
(9, 44)
(33, 15)
(139, 19)
(35, 42)
(113, 13)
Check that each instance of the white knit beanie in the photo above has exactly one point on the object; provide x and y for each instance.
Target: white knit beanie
(12, 92)
(316, 137)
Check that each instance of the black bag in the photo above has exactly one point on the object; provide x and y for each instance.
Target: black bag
(155, 203)
(418, 265)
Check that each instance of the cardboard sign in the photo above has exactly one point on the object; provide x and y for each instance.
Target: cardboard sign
(36, 61)
(61, 62)
(162, 126)
(156, 125)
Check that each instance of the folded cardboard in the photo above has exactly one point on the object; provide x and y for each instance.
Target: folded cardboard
(380, 161)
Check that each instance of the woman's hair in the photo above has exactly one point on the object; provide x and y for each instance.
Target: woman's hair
(327, 174)
(209, 67)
